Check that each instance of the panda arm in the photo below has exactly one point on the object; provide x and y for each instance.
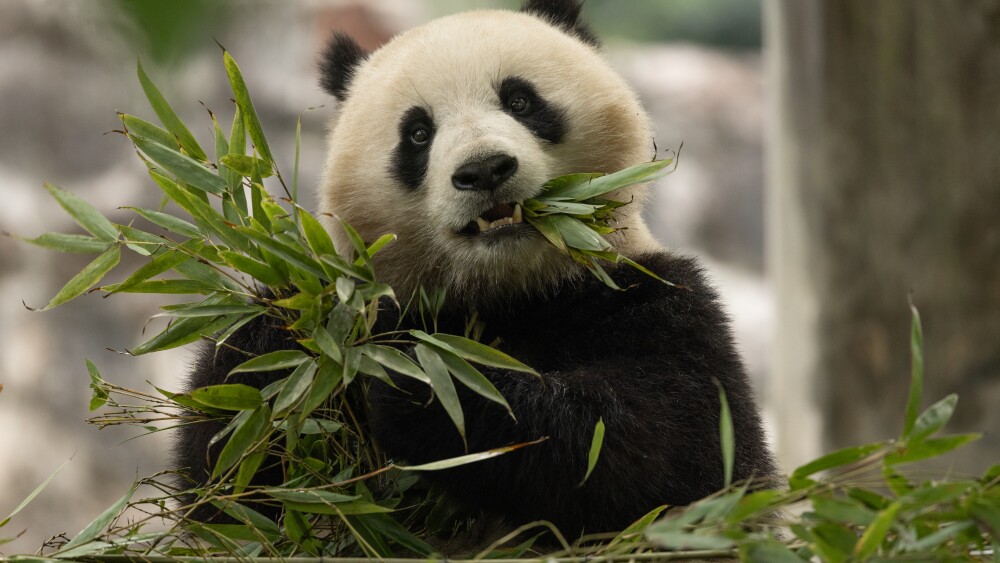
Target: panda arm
(644, 360)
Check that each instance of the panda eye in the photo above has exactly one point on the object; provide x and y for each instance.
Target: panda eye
(420, 136)
(518, 104)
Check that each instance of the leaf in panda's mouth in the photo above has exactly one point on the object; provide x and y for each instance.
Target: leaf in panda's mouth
(499, 216)
(572, 215)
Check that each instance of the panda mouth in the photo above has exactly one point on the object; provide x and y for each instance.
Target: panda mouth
(499, 217)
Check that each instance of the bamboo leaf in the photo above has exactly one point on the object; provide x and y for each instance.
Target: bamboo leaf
(199, 310)
(933, 419)
(469, 458)
(441, 383)
(396, 361)
(246, 107)
(149, 130)
(184, 331)
(76, 244)
(27, 500)
(161, 263)
(99, 524)
(845, 456)
(228, 396)
(244, 435)
(295, 387)
(595, 449)
(473, 351)
(167, 116)
(244, 165)
(916, 372)
(873, 536)
(88, 277)
(473, 379)
(85, 214)
(282, 359)
(726, 438)
(259, 271)
(169, 222)
(187, 169)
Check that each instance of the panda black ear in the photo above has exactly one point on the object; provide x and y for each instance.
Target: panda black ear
(564, 14)
(338, 62)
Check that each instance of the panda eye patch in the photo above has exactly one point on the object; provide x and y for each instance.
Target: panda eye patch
(411, 156)
(520, 100)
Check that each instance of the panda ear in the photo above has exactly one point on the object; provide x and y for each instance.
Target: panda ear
(564, 14)
(338, 62)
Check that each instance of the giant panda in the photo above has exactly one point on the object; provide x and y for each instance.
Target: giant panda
(439, 136)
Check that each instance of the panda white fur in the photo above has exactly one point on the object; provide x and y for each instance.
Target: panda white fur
(440, 134)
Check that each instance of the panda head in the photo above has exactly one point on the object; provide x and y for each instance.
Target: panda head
(445, 130)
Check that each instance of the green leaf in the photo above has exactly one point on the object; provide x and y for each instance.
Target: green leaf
(639, 174)
(768, 551)
(282, 359)
(473, 351)
(169, 222)
(916, 372)
(441, 383)
(174, 287)
(839, 458)
(687, 541)
(184, 167)
(556, 187)
(379, 244)
(162, 262)
(167, 116)
(244, 165)
(547, 226)
(842, 510)
(199, 310)
(579, 235)
(595, 449)
(931, 447)
(295, 387)
(469, 458)
(246, 107)
(87, 278)
(396, 361)
(288, 253)
(85, 214)
(149, 130)
(79, 244)
(329, 346)
(328, 377)
(184, 331)
(228, 396)
(94, 529)
(259, 271)
(473, 379)
(726, 439)
(933, 419)
(873, 536)
(310, 496)
(99, 397)
(251, 429)
(27, 500)
(318, 238)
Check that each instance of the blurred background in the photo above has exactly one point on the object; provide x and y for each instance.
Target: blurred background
(880, 180)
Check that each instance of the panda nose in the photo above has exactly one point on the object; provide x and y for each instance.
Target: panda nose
(486, 174)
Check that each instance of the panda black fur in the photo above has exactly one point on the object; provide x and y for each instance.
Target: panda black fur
(466, 117)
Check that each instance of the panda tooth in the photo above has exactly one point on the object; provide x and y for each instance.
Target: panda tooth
(484, 225)
(517, 213)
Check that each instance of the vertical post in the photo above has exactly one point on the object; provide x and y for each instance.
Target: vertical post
(884, 180)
